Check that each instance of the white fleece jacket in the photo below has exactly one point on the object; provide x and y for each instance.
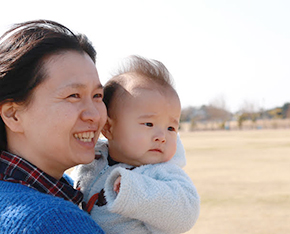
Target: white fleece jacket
(158, 198)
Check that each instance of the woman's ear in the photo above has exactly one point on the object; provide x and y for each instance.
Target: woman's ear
(108, 128)
(9, 114)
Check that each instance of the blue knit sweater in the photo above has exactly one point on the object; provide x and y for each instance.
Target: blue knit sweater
(25, 210)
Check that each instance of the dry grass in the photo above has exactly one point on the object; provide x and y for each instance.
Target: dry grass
(243, 179)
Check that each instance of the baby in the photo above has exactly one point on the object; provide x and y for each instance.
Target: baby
(136, 184)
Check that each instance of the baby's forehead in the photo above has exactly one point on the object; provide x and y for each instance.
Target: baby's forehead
(133, 81)
(147, 102)
(141, 84)
(134, 86)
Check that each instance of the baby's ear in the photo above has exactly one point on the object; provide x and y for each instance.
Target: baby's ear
(9, 113)
(107, 129)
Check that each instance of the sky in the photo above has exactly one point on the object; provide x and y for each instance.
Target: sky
(234, 52)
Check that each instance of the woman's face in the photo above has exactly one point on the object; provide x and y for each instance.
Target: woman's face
(62, 123)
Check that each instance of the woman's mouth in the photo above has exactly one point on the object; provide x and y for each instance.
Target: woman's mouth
(85, 136)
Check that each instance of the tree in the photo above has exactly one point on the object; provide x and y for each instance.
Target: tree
(249, 110)
(286, 110)
(187, 114)
(217, 111)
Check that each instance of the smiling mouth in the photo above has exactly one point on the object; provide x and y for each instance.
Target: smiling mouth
(85, 136)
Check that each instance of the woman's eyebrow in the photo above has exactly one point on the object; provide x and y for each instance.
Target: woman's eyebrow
(81, 86)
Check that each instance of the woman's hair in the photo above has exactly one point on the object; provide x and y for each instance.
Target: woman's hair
(151, 70)
(23, 49)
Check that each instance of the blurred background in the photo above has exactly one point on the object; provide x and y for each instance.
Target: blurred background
(230, 54)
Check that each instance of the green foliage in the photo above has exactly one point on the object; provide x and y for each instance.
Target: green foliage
(241, 118)
(276, 113)
(286, 110)
(192, 124)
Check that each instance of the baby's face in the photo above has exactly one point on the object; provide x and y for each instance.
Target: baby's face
(145, 128)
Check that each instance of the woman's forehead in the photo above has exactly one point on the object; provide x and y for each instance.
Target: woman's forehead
(70, 67)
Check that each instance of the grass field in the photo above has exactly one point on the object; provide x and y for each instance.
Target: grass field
(243, 179)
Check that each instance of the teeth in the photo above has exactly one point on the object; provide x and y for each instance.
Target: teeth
(85, 136)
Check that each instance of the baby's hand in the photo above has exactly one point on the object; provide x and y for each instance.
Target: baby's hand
(117, 185)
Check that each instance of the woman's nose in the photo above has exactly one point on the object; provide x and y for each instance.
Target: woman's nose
(91, 112)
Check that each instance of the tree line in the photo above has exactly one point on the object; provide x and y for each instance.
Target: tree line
(219, 114)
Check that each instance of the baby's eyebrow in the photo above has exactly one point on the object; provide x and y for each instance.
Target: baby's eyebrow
(176, 121)
(146, 116)
(150, 116)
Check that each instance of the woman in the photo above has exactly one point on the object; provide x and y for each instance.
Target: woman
(51, 115)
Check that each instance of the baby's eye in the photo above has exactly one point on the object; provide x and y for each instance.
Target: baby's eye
(172, 129)
(148, 124)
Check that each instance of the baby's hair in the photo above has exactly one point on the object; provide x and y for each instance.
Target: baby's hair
(149, 69)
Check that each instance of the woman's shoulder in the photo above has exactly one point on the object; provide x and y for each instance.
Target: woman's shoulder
(18, 195)
(34, 210)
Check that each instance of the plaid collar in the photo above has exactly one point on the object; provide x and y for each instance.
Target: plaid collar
(17, 170)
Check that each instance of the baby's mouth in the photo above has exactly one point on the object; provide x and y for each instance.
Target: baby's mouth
(156, 150)
(85, 136)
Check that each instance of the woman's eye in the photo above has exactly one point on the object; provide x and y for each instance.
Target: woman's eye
(98, 95)
(148, 124)
(74, 95)
(172, 129)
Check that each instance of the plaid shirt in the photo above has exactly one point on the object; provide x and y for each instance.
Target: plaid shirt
(17, 170)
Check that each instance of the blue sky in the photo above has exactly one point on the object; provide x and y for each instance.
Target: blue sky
(237, 51)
